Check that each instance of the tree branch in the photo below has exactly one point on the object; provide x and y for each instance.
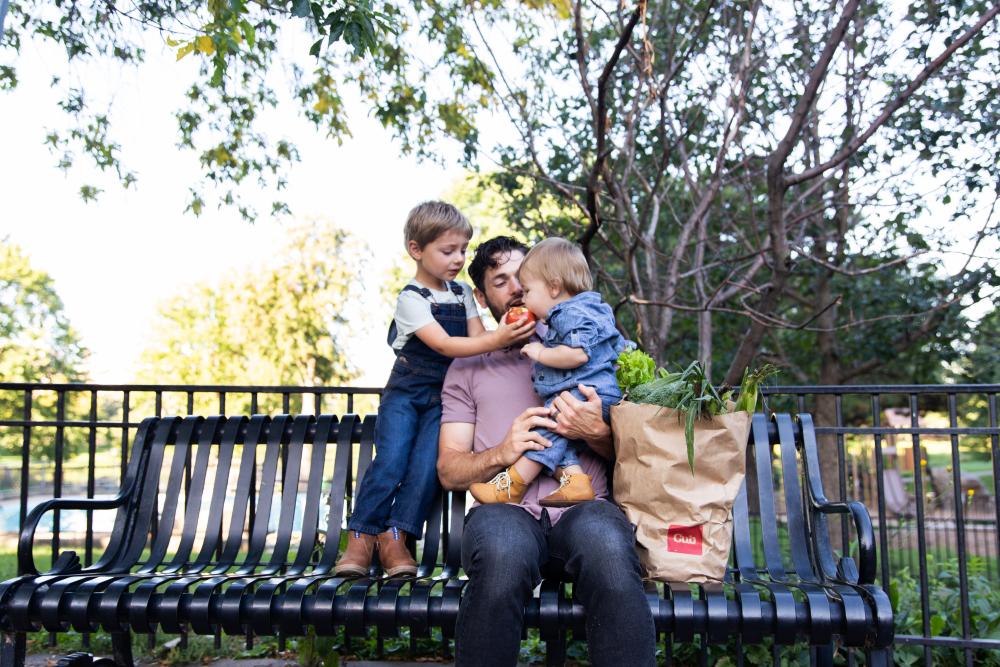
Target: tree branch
(928, 71)
(600, 128)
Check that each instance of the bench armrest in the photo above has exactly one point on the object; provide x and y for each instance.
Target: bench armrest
(820, 503)
(25, 556)
(866, 534)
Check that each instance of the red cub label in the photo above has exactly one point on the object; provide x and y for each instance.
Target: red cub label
(684, 539)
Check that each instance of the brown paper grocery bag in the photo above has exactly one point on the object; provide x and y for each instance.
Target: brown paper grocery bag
(683, 520)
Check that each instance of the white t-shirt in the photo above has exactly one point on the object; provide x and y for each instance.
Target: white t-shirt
(413, 311)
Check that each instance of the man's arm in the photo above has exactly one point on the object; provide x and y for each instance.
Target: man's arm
(581, 420)
(458, 466)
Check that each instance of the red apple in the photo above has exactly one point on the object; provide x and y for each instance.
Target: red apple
(518, 313)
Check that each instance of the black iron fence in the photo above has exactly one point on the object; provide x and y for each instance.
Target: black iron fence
(924, 459)
(926, 462)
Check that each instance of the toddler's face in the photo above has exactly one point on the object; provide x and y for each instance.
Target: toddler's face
(539, 297)
(443, 257)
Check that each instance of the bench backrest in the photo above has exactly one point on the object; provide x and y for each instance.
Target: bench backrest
(247, 494)
(240, 493)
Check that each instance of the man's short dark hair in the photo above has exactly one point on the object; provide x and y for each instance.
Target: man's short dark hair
(491, 254)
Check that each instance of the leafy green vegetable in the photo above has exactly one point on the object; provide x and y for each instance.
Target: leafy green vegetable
(635, 367)
(750, 386)
(692, 394)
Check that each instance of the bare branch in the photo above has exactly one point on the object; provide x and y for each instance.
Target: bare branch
(928, 71)
(601, 121)
(856, 272)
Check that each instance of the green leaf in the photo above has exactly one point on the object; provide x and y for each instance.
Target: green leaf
(301, 9)
(249, 33)
(89, 193)
(314, 49)
(184, 50)
(937, 624)
(692, 413)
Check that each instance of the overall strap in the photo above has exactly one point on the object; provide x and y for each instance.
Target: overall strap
(457, 290)
(422, 291)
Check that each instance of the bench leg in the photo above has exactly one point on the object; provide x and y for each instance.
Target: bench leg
(121, 647)
(822, 656)
(12, 651)
(555, 652)
(879, 658)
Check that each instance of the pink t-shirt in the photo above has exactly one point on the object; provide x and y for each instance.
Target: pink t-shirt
(490, 391)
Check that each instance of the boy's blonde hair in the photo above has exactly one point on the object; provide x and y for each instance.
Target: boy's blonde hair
(431, 219)
(556, 260)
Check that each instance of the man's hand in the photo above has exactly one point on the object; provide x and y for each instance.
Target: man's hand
(532, 350)
(579, 420)
(520, 438)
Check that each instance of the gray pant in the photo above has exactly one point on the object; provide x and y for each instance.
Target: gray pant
(504, 550)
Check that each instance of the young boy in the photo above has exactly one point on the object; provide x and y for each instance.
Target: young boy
(435, 321)
(581, 346)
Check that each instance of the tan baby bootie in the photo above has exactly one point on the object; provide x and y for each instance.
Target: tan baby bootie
(506, 487)
(572, 489)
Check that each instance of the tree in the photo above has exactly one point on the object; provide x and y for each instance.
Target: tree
(720, 160)
(282, 324)
(37, 344)
(236, 45)
(980, 362)
(702, 153)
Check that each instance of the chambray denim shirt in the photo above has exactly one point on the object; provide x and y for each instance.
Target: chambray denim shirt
(586, 322)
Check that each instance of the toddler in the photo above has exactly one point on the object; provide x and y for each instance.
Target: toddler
(581, 346)
(436, 320)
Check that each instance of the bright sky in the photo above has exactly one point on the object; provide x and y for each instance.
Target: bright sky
(114, 260)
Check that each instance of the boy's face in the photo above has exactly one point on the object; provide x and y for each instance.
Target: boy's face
(539, 296)
(443, 257)
(502, 289)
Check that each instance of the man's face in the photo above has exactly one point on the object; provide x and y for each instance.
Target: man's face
(502, 288)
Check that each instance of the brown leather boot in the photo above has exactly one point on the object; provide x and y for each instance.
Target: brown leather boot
(506, 487)
(357, 556)
(572, 489)
(395, 557)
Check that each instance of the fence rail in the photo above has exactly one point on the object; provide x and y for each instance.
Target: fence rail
(925, 459)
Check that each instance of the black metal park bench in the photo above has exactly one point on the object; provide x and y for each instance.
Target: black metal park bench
(219, 528)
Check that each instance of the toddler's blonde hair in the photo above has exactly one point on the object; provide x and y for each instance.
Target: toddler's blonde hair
(431, 219)
(556, 260)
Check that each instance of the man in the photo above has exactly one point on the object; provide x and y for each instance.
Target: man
(488, 412)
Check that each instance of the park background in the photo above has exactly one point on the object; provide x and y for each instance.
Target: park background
(190, 197)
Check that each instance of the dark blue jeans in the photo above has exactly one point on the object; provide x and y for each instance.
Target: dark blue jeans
(504, 550)
(399, 486)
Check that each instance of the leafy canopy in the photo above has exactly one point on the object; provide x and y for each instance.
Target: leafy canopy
(282, 324)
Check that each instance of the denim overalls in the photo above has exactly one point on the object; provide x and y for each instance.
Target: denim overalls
(400, 484)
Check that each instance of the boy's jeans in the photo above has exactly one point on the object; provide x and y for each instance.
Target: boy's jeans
(504, 550)
(399, 486)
